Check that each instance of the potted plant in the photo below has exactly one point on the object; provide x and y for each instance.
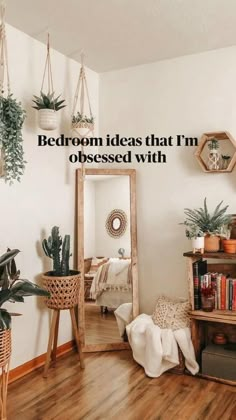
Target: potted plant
(214, 156)
(47, 106)
(12, 289)
(194, 233)
(12, 117)
(210, 224)
(82, 124)
(225, 161)
(229, 245)
(61, 282)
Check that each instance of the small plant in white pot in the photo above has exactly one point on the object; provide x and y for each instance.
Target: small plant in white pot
(82, 124)
(47, 107)
(196, 235)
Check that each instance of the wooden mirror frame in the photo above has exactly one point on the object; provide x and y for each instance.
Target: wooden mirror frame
(79, 246)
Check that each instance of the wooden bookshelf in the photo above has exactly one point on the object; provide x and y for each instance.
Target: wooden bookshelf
(203, 324)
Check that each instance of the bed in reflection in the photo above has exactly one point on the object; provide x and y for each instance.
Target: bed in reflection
(108, 282)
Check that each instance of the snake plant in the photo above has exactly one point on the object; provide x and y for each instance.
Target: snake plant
(12, 288)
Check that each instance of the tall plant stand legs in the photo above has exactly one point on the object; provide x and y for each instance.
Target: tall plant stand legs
(53, 336)
(3, 388)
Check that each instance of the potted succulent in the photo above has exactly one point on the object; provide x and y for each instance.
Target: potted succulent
(210, 224)
(214, 156)
(82, 124)
(12, 289)
(47, 106)
(229, 245)
(12, 117)
(194, 233)
(61, 282)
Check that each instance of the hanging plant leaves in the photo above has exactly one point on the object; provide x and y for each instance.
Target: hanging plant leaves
(12, 119)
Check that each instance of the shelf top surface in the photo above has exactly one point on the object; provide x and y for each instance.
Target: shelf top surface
(216, 315)
(216, 255)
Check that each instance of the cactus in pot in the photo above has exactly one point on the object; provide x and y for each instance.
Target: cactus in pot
(61, 282)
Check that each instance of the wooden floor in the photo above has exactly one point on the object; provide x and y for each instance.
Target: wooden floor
(100, 328)
(113, 386)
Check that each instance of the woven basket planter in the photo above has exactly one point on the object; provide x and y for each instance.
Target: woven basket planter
(5, 347)
(83, 129)
(64, 291)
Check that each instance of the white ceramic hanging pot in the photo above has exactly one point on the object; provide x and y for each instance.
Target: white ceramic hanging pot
(48, 119)
(198, 243)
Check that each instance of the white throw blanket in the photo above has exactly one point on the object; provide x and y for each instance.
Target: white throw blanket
(156, 349)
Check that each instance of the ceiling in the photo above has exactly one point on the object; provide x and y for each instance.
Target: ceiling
(116, 34)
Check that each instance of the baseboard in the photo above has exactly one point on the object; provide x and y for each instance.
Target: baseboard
(37, 362)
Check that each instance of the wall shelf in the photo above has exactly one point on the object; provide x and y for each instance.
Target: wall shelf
(227, 146)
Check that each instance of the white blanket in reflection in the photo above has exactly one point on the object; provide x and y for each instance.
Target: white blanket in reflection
(156, 349)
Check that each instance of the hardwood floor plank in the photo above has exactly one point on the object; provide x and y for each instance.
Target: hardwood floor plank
(113, 387)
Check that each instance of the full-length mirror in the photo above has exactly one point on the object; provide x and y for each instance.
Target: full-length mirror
(107, 256)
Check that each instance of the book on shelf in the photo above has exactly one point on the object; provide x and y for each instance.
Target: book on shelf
(223, 287)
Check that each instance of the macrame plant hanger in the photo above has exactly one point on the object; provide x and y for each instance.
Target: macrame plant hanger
(4, 71)
(48, 73)
(82, 128)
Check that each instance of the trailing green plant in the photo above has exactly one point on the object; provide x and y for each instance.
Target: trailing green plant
(79, 118)
(48, 102)
(213, 144)
(192, 230)
(208, 223)
(12, 117)
(58, 251)
(12, 288)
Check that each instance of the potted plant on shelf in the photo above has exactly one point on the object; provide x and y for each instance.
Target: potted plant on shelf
(12, 289)
(11, 123)
(229, 245)
(210, 224)
(225, 159)
(82, 124)
(47, 107)
(62, 283)
(194, 233)
(214, 156)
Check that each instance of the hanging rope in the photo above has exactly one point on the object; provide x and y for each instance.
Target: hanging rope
(4, 68)
(81, 95)
(48, 73)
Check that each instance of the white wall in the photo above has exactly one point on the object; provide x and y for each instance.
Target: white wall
(111, 194)
(45, 196)
(187, 95)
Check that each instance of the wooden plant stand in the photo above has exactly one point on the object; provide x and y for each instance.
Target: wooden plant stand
(5, 354)
(53, 337)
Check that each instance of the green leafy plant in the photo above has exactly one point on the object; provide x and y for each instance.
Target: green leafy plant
(192, 230)
(79, 118)
(213, 144)
(225, 157)
(12, 288)
(208, 223)
(58, 251)
(48, 102)
(12, 117)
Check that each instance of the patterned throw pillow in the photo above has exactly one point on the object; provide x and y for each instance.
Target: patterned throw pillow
(171, 313)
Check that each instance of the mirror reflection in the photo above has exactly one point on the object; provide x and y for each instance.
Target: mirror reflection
(107, 263)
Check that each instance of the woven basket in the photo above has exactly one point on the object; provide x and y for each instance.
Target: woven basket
(5, 347)
(64, 291)
(180, 368)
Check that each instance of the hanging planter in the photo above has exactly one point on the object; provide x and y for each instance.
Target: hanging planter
(82, 124)
(12, 116)
(47, 105)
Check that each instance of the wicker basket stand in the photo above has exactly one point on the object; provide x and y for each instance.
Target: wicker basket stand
(5, 354)
(64, 294)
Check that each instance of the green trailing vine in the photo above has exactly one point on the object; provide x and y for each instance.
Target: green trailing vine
(11, 122)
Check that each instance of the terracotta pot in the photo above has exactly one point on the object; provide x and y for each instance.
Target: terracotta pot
(212, 243)
(48, 119)
(229, 246)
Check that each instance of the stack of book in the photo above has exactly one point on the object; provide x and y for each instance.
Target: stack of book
(223, 288)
